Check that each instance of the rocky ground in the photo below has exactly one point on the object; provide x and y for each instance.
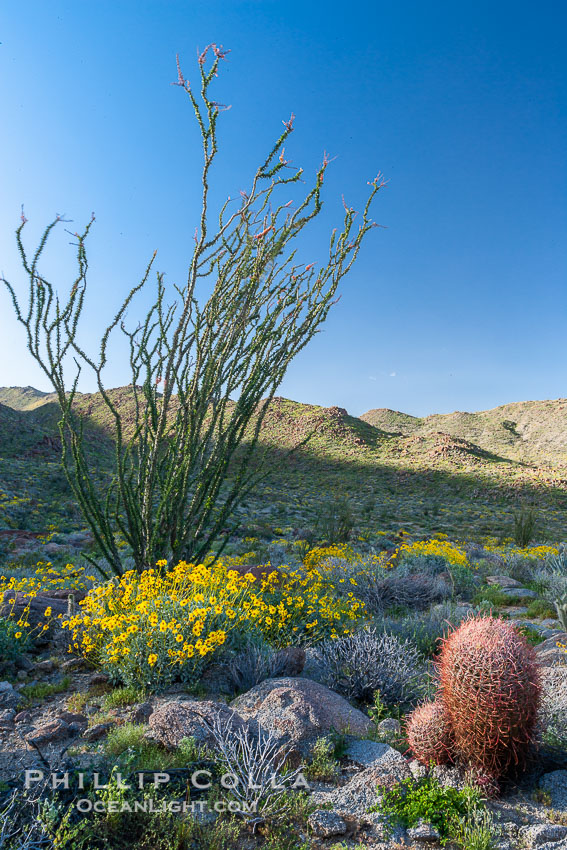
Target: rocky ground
(69, 729)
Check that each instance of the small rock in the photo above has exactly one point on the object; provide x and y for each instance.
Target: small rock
(7, 718)
(94, 733)
(23, 662)
(424, 831)
(549, 653)
(72, 664)
(23, 717)
(449, 776)
(366, 753)
(98, 679)
(418, 770)
(355, 798)
(555, 783)
(73, 717)
(141, 713)
(9, 698)
(541, 833)
(379, 830)
(325, 824)
(503, 581)
(49, 733)
(22, 675)
(390, 726)
(46, 666)
(519, 592)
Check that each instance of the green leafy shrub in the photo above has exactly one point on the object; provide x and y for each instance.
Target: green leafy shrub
(323, 764)
(32, 693)
(539, 608)
(120, 697)
(425, 799)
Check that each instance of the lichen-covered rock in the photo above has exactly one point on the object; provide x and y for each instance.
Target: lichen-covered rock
(542, 833)
(141, 712)
(325, 824)
(364, 752)
(7, 718)
(503, 581)
(424, 831)
(555, 783)
(176, 720)
(98, 731)
(549, 654)
(49, 733)
(300, 711)
(9, 698)
(355, 798)
(390, 727)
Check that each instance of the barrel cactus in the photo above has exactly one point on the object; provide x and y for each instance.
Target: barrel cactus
(429, 734)
(490, 691)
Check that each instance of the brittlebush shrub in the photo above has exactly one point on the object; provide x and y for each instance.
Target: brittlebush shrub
(151, 628)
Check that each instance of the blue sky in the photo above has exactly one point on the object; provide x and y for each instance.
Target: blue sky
(459, 304)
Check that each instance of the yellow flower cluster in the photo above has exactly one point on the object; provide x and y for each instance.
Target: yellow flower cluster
(532, 552)
(316, 556)
(44, 580)
(153, 627)
(451, 552)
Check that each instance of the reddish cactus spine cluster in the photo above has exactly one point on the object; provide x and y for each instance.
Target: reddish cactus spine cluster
(487, 704)
(429, 734)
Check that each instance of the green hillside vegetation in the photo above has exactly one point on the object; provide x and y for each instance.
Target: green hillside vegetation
(461, 474)
(526, 431)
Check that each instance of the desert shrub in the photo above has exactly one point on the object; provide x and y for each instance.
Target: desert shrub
(323, 763)
(380, 588)
(428, 629)
(539, 608)
(418, 575)
(524, 527)
(261, 779)
(556, 584)
(253, 664)
(415, 590)
(476, 831)
(334, 520)
(121, 738)
(128, 747)
(120, 697)
(31, 693)
(359, 664)
(410, 801)
(148, 629)
(24, 582)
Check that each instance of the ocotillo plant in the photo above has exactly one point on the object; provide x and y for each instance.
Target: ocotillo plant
(201, 373)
